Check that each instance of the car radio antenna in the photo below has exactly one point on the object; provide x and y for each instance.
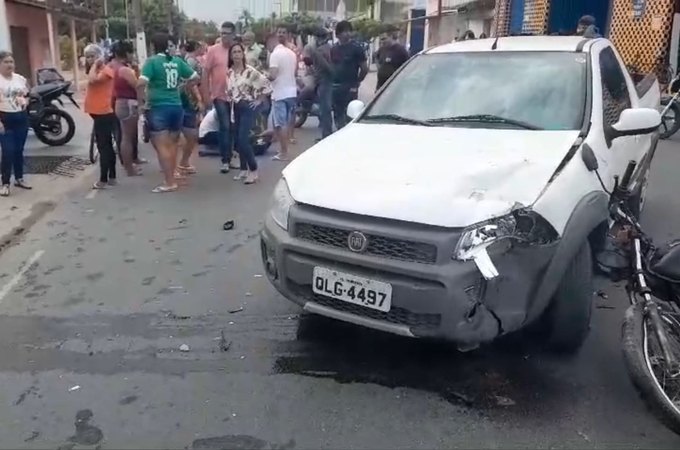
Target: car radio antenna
(495, 44)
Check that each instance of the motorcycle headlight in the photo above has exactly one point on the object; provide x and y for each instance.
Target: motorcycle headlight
(281, 203)
(522, 225)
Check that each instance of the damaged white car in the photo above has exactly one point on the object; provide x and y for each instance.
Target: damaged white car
(456, 204)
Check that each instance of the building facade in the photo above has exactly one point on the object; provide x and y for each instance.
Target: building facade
(641, 30)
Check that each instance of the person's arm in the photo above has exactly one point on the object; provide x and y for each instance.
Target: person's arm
(321, 62)
(186, 72)
(261, 86)
(98, 73)
(403, 57)
(205, 79)
(127, 74)
(143, 82)
(274, 64)
(363, 64)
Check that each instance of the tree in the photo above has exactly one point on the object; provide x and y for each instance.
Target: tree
(367, 29)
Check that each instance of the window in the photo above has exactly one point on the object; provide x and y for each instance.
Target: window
(545, 89)
(615, 96)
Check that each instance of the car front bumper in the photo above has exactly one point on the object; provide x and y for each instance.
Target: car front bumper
(433, 295)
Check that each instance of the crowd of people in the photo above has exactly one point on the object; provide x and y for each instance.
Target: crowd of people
(236, 77)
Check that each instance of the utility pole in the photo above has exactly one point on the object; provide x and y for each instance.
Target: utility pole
(140, 40)
(106, 19)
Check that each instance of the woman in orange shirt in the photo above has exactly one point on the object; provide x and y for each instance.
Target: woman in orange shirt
(98, 104)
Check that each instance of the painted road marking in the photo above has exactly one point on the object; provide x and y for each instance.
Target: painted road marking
(92, 194)
(11, 284)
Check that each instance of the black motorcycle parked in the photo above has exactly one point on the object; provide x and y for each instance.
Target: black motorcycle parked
(51, 124)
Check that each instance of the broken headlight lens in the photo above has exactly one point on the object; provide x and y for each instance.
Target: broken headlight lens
(281, 203)
(522, 225)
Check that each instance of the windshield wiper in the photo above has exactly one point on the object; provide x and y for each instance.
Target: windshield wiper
(486, 118)
(397, 118)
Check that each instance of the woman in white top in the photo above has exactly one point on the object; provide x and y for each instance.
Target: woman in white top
(13, 123)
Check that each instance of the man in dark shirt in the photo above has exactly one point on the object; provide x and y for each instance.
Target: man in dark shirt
(349, 70)
(391, 56)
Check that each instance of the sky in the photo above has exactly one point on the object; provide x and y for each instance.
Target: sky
(221, 10)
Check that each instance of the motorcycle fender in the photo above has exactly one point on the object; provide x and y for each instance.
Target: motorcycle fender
(589, 213)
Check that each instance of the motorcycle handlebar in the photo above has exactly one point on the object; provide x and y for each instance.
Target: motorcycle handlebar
(625, 181)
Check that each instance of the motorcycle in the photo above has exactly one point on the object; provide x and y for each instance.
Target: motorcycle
(670, 112)
(304, 110)
(651, 330)
(51, 124)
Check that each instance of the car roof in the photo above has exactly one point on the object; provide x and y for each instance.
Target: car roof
(516, 44)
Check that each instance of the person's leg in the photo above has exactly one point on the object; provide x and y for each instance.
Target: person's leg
(104, 141)
(281, 120)
(128, 125)
(159, 125)
(223, 117)
(113, 125)
(7, 144)
(342, 99)
(246, 122)
(20, 133)
(190, 132)
(326, 109)
(243, 163)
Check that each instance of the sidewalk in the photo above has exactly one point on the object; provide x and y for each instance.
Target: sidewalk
(22, 209)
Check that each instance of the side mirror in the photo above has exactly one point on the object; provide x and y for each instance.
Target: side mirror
(636, 121)
(356, 106)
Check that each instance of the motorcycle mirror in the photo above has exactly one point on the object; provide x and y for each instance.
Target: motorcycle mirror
(589, 158)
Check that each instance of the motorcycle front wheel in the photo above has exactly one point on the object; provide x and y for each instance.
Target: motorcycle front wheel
(55, 128)
(657, 384)
(670, 122)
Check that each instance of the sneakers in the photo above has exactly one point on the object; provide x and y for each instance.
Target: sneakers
(4, 190)
(251, 178)
(225, 168)
(22, 184)
(241, 175)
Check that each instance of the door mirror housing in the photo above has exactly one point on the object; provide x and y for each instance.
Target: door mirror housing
(635, 122)
(355, 108)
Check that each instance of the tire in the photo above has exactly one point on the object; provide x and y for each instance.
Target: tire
(566, 322)
(46, 137)
(633, 342)
(94, 150)
(669, 130)
(300, 118)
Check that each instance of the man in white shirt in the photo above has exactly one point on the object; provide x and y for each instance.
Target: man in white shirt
(282, 73)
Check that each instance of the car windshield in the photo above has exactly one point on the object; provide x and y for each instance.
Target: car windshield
(528, 90)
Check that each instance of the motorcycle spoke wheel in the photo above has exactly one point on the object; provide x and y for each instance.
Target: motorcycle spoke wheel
(667, 379)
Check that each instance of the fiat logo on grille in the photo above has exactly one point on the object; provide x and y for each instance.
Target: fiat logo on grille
(357, 242)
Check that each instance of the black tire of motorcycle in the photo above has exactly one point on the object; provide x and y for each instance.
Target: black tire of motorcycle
(94, 150)
(70, 123)
(676, 124)
(300, 118)
(566, 322)
(632, 345)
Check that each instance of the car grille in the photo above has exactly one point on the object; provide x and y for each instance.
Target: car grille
(380, 246)
(399, 316)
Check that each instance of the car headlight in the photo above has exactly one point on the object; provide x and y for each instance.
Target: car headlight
(522, 225)
(281, 203)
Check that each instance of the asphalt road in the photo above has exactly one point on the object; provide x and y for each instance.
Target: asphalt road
(100, 295)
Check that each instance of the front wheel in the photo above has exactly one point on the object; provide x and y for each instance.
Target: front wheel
(670, 121)
(55, 128)
(301, 116)
(658, 387)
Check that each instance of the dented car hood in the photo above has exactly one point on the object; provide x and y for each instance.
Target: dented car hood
(443, 176)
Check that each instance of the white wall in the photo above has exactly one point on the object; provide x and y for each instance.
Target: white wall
(5, 41)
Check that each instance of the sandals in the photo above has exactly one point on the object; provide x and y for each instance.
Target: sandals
(279, 157)
(162, 189)
(189, 170)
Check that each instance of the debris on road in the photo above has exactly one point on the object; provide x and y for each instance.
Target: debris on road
(234, 311)
(249, 294)
(74, 388)
(504, 401)
(224, 344)
(228, 225)
(257, 275)
(184, 348)
(602, 294)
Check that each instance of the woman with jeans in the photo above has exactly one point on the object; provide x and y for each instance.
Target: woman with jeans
(160, 83)
(13, 123)
(247, 89)
(98, 104)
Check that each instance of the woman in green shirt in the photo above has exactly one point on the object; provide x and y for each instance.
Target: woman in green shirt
(160, 88)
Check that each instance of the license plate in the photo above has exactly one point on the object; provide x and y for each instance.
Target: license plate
(352, 289)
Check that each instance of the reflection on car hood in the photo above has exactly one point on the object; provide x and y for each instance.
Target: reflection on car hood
(443, 176)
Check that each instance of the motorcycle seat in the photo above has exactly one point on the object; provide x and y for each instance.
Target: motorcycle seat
(44, 89)
(666, 263)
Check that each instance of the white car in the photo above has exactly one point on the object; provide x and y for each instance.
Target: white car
(458, 203)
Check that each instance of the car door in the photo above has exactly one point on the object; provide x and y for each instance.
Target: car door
(616, 98)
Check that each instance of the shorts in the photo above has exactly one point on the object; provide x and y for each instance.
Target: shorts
(282, 111)
(190, 121)
(165, 118)
(126, 109)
